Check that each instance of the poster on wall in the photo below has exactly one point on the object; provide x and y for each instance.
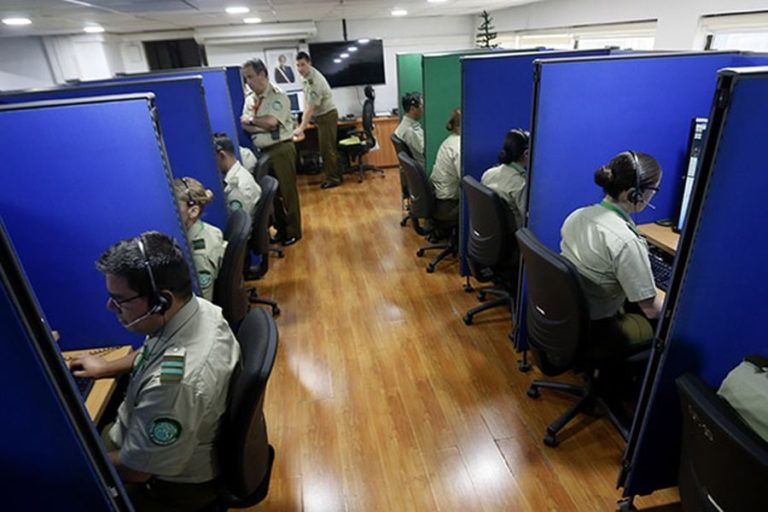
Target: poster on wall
(281, 63)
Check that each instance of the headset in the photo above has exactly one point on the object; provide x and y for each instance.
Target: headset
(160, 302)
(636, 195)
(411, 100)
(190, 201)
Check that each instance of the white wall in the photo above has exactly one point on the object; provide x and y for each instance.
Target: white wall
(677, 27)
(23, 64)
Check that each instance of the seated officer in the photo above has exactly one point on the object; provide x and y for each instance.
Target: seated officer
(162, 442)
(206, 241)
(240, 187)
(508, 179)
(248, 159)
(409, 129)
(605, 245)
(446, 173)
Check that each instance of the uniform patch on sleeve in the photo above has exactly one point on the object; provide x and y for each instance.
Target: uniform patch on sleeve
(235, 205)
(277, 105)
(172, 365)
(164, 431)
(205, 278)
(198, 244)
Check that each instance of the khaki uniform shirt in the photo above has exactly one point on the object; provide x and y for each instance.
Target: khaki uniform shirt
(318, 92)
(410, 131)
(608, 251)
(168, 422)
(746, 389)
(208, 246)
(241, 189)
(446, 174)
(248, 159)
(272, 102)
(509, 181)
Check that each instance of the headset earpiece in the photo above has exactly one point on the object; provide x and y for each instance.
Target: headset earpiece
(190, 200)
(164, 301)
(159, 301)
(636, 195)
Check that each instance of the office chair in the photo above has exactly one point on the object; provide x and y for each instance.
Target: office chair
(402, 147)
(244, 453)
(422, 201)
(558, 322)
(262, 169)
(229, 290)
(260, 237)
(723, 462)
(367, 140)
(491, 246)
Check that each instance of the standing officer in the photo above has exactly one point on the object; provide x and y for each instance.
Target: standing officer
(267, 117)
(318, 102)
(163, 440)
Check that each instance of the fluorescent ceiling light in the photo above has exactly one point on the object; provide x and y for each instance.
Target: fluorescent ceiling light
(352, 49)
(337, 61)
(93, 29)
(236, 9)
(17, 22)
(399, 12)
(251, 20)
(363, 41)
(344, 55)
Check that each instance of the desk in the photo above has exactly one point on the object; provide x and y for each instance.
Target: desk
(102, 389)
(663, 238)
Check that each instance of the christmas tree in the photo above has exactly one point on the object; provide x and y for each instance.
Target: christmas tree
(485, 32)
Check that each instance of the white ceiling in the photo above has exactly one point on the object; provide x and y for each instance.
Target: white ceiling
(124, 16)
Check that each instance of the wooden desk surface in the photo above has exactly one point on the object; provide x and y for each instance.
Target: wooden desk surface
(662, 237)
(102, 389)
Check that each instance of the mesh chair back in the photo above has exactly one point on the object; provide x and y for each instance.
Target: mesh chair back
(557, 312)
(262, 167)
(490, 241)
(229, 290)
(260, 236)
(723, 461)
(400, 145)
(245, 457)
(420, 192)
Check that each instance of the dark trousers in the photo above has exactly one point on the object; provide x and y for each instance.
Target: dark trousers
(326, 139)
(282, 159)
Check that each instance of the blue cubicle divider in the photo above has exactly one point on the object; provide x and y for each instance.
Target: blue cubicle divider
(718, 308)
(183, 119)
(77, 192)
(237, 95)
(51, 454)
(491, 107)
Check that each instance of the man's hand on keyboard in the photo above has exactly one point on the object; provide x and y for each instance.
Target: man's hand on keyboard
(89, 366)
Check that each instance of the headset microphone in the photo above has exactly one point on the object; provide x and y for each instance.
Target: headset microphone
(143, 317)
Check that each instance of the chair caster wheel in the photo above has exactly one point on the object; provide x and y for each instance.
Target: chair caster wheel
(404, 222)
(550, 440)
(467, 320)
(481, 296)
(275, 311)
(420, 253)
(430, 269)
(468, 288)
(534, 392)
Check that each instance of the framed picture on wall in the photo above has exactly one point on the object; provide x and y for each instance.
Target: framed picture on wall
(281, 63)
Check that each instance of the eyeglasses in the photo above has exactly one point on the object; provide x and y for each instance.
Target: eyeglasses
(118, 303)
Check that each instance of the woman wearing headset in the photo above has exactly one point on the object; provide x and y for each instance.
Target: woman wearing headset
(446, 173)
(508, 179)
(206, 241)
(606, 247)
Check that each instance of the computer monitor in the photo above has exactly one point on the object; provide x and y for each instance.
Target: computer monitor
(695, 148)
(297, 101)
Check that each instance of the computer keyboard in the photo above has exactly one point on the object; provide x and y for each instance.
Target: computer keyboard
(661, 266)
(84, 385)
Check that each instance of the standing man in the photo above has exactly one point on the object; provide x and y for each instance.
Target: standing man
(318, 102)
(409, 129)
(267, 117)
(163, 442)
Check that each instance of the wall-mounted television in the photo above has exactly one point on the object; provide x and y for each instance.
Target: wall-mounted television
(346, 63)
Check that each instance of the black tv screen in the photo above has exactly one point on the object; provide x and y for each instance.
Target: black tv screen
(347, 63)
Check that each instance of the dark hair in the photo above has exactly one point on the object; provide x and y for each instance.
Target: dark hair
(169, 267)
(626, 170)
(516, 142)
(303, 56)
(222, 142)
(411, 100)
(258, 66)
(454, 121)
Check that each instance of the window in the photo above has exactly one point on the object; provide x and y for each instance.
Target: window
(638, 35)
(746, 31)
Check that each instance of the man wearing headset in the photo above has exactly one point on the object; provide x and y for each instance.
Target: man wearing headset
(409, 129)
(162, 441)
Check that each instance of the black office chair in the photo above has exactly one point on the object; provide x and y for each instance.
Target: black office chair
(260, 237)
(229, 291)
(558, 323)
(491, 246)
(262, 169)
(367, 140)
(723, 462)
(402, 147)
(422, 201)
(244, 453)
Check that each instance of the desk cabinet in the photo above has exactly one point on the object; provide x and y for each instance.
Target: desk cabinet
(385, 156)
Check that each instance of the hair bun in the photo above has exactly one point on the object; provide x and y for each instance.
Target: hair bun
(208, 195)
(604, 176)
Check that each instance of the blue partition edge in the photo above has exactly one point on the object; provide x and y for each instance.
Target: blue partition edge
(77, 210)
(717, 318)
(183, 119)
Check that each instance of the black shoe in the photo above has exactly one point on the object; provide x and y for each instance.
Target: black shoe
(290, 241)
(274, 240)
(330, 184)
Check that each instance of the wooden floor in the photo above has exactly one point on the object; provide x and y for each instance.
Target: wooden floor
(381, 398)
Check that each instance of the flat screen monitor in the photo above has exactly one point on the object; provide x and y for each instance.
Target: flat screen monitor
(346, 63)
(297, 101)
(695, 149)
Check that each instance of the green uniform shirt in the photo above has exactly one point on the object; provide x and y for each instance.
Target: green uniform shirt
(410, 131)
(608, 251)
(509, 181)
(169, 420)
(446, 174)
(746, 389)
(318, 92)
(272, 102)
(241, 189)
(208, 246)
